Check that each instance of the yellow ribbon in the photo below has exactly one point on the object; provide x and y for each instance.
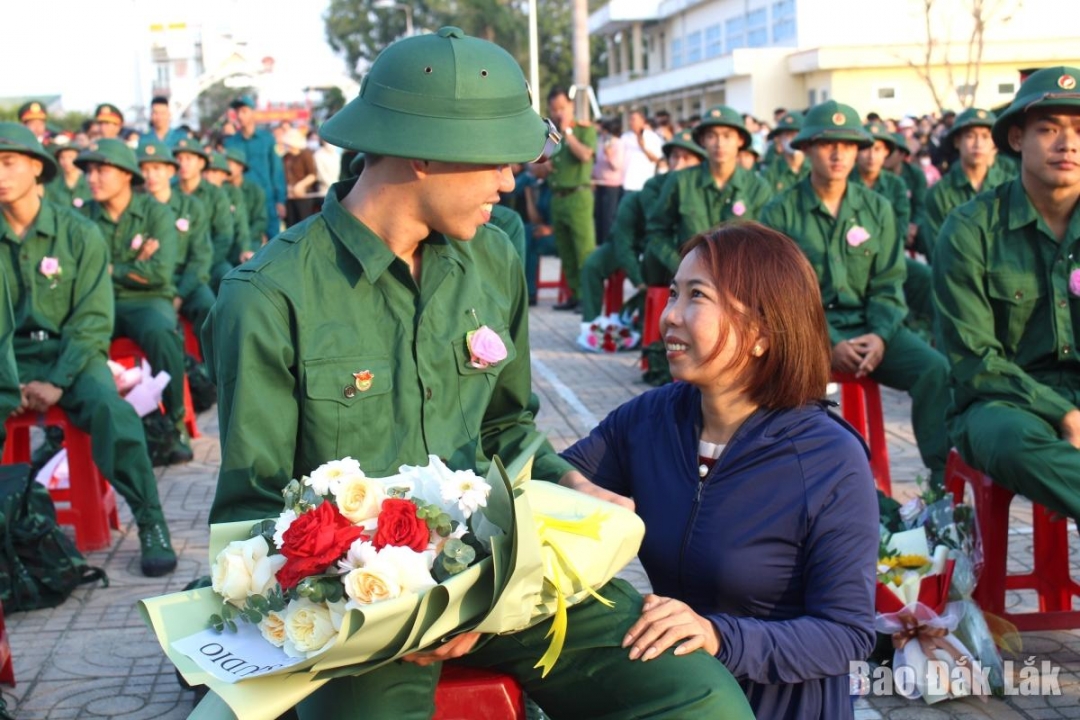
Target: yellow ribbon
(558, 562)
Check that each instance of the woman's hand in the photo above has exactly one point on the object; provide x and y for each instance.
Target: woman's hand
(665, 622)
(576, 481)
(455, 648)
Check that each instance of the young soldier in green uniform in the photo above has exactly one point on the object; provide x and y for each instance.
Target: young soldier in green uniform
(254, 201)
(217, 173)
(571, 193)
(973, 173)
(625, 244)
(193, 160)
(55, 266)
(698, 198)
(264, 166)
(193, 297)
(849, 235)
(109, 120)
(1008, 289)
(788, 166)
(142, 239)
(161, 123)
(374, 284)
(915, 180)
(69, 188)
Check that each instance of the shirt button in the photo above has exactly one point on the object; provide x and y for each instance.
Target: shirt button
(427, 393)
(350, 391)
(1063, 303)
(1018, 295)
(1065, 350)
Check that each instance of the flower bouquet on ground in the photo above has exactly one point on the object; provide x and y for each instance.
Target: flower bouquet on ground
(357, 572)
(607, 333)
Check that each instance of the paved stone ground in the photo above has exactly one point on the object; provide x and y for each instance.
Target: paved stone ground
(93, 657)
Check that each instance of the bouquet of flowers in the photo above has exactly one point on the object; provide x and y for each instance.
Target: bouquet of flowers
(607, 333)
(357, 572)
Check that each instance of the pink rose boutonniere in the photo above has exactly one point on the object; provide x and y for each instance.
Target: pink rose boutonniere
(485, 346)
(182, 224)
(1074, 282)
(739, 208)
(77, 202)
(136, 242)
(857, 235)
(50, 268)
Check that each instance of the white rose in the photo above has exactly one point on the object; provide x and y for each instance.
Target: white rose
(245, 568)
(309, 628)
(359, 498)
(413, 568)
(327, 476)
(368, 585)
(285, 519)
(387, 574)
(272, 627)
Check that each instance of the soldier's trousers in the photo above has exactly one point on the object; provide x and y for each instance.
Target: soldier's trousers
(593, 679)
(575, 234)
(152, 323)
(601, 264)
(1022, 452)
(117, 440)
(923, 373)
(196, 307)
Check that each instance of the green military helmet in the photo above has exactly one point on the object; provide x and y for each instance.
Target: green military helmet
(33, 110)
(901, 143)
(153, 150)
(722, 116)
(972, 117)
(237, 155)
(878, 131)
(17, 138)
(443, 96)
(243, 101)
(60, 144)
(111, 152)
(218, 161)
(791, 120)
(832, 121)
(685, 139)
(187, 145)
(1054, 87)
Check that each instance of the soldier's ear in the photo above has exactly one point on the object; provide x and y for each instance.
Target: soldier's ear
(1016, 135)
(39, 168)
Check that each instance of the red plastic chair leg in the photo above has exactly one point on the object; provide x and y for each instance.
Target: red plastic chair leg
(655, 301)
(613, 293)
(7, 668)
(860, 402)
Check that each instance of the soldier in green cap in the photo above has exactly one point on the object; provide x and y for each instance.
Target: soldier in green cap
(914, 178)
(142, 238)
(974, 172)
(697, 198)
(56, 269)
(194, 254)
(788, 166)
(849, 235)
(626, 242)
(1007, 282)
(217, 174)
(254, 201)
(109, 120)
(377, 285)
(193, 160)
(264, 165)
(571, 193)
(69, 188)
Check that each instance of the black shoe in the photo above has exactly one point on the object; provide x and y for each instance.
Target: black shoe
(570, 304)
(158, 557)
(532, 301)
(181, 451)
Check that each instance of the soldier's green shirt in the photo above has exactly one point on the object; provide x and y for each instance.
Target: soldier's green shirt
(222, 225)
(915, 179)
(327, 299)
(953, 190)
(143, 219)
(1007, 319)
(861, 282)
(690, 203)
(193, 251)
(628, 231)
(893, 189)
(255, 200)
(75, 306)
(779, 176)
(64, 196)
(242, 234)
(567, 172)
(10, 396)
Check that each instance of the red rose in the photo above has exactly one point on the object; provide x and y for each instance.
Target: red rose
(399, 525)
(313, 542)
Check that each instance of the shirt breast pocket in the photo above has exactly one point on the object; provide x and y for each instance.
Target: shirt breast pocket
(53, 297)
(859, 260)
(349, 410)
(1014, 298)
(476, 385)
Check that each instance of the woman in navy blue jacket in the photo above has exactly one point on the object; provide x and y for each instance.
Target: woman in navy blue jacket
(759, 506)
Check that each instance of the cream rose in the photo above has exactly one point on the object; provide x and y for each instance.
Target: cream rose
(368, 585)
(310, 627)
(245, 568)
(387, 574)
(359, 498)
(272, 627)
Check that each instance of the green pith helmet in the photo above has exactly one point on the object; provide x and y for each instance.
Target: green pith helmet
(113, 152)
(237, 155)
(972, 117)
(218, 161)
(443, 96)
(878, 131)
(901, 143)
(792, 120)
(187, 145)
(832, 121)
(1055, 87)
(16, 137)
(154, 151)
(685, 139)
(722, 116)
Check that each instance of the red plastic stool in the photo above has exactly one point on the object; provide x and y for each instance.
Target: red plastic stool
(560, 284)
(860, 402)
(90, 500)
(191, 340)
(128, 353)
(467, 694)
(7, 669)
(1049, 577)
(613, 293)
(656, 297)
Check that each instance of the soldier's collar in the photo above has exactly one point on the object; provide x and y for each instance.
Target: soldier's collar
(737, 179)
(1021, 212)
(45, 223)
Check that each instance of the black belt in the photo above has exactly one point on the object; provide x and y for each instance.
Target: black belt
(563, 192)
(35, 335)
